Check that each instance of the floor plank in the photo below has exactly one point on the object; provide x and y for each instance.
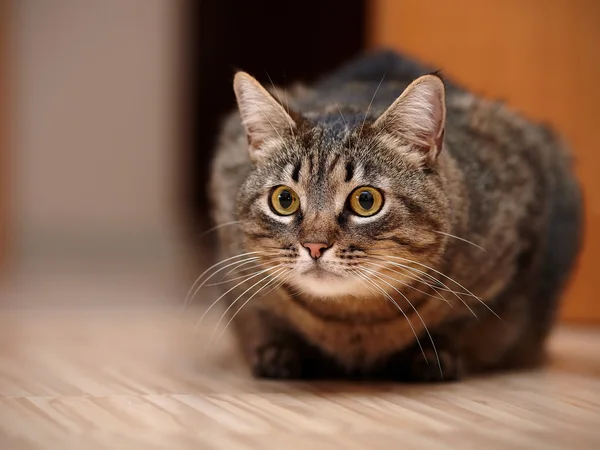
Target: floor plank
(131, 377)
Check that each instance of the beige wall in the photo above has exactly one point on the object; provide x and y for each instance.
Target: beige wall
(93, 147)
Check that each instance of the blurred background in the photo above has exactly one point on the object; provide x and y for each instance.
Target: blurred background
(109, 110)
(108, 114)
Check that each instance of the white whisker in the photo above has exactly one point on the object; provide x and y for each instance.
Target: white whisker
(187, 297)
(391, 299)
(226, 224)
(429, 276)
(201, 285)
(365, 285)
(439, 287)
(219, 283)
(279, 99)
(275, 277)
(236, 269)
(439, 284)
(408, 285)
(342, 114)
(372, 272)
(224, 279)
(232, 304)
(454, 281)
(369, 107)
(224, 294)
(461, 239)
(278, 285)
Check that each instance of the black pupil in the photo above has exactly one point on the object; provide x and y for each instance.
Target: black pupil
(285, 199)
(366, 200)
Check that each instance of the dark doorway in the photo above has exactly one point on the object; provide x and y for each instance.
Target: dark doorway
(288, 40)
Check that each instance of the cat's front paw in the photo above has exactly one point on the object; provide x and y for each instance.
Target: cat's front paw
(425, 366)
(432, 368)
(278, 361)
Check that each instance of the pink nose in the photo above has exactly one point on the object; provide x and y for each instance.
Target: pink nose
(316, 250)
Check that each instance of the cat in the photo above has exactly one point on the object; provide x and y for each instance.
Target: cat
(390, 225)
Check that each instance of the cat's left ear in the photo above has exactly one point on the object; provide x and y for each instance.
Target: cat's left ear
(416, 119)
(264, 119)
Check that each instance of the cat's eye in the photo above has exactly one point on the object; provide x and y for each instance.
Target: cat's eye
(284, 201)
(366, 201)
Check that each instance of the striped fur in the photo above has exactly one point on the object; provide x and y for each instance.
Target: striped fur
(487, 176)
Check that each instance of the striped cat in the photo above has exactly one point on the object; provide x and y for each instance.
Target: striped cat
(390, 227)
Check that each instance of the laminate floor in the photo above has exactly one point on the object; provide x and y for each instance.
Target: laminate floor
(125, 376)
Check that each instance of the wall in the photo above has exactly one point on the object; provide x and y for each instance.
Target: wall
(542, 56)
(94, 112)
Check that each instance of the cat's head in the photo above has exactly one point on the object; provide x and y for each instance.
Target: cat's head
(333, 201)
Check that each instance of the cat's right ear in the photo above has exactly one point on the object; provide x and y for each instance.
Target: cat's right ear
(265, 120)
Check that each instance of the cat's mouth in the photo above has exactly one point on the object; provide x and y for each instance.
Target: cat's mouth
(325, 281)
(320, 272)
(324, 276)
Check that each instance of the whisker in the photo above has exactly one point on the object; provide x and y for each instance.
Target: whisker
(418, 315)
(223, 279)
(408, 285)
(428, 275)
(201, 285)
(287, 104)
(295, 294)
(461, 239)
(369, 288)
(439, 286)
(369, 107)
(279, 99)
(232, 304)
(274, 129)
(454, 281)
(219, 283)
(223, 295)
(391, 299)
(278, 285)
(226, 224)
(236, 269)
(187, 297)
(342, 115)
(276, 276)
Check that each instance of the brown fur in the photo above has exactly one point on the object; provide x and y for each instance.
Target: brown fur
(458, 165)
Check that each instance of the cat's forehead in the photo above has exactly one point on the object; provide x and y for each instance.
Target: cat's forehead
(328, 168)
(330, 154)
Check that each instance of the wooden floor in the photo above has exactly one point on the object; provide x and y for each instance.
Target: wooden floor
(133, 378)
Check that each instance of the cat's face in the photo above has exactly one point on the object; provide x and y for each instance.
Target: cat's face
(333, 205)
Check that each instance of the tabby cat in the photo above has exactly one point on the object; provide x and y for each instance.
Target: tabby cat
(390, 225)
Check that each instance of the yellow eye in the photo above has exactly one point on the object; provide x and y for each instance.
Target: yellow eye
(366, 201)
(284, 201)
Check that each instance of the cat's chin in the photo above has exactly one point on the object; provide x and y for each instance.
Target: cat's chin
(327, 285)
